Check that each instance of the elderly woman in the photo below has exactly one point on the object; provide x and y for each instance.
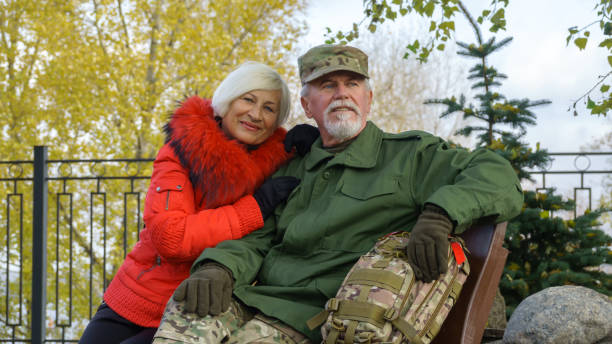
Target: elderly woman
(207, 186)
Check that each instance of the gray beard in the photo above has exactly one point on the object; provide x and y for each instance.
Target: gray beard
(346, 124)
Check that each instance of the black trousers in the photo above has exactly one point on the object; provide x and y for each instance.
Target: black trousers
(108, 327)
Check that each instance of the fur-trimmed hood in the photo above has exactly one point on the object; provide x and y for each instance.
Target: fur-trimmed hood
(221, 170)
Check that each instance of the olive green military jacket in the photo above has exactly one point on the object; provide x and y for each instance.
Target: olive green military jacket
(345, 202)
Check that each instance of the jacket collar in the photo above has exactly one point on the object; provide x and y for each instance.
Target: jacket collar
(361, 153)
(221, 170)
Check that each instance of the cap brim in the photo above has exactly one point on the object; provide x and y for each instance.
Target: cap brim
(331, 69)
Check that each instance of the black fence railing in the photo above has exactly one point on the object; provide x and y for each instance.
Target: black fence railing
(68, 224)
(66, 228)
(576, 172)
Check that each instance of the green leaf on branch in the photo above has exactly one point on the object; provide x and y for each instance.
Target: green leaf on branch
(498, 17)
(447, 26)
(608, 29)
(432, 26)
(580, 43)
(607, 43)
(604, 88)
(572, 31)
(414, 46)
(440, 46)
(403, 11)
(590, 103)
(610, 60)
(372, 28)
(390, 14)
(498, 20)
(423, 55)
(429, 8)
(448, 11)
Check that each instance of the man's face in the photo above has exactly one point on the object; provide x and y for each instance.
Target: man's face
(339, 102)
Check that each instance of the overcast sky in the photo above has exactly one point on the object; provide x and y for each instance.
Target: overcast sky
(538, 63)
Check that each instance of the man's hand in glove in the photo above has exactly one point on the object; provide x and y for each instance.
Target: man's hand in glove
(272, 192)
(207, 291)
(427, 248)
(302, 136)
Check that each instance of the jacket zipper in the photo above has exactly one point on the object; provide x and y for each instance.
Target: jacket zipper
(157, 263)
(167, 199)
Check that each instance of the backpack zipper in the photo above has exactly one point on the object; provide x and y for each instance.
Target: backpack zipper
(437, 310)
(418, 310)
(412, 280)
(157, 263)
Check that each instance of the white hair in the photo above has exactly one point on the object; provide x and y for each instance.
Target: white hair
(247, 77)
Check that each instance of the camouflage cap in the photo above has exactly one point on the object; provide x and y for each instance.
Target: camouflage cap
(326, 58)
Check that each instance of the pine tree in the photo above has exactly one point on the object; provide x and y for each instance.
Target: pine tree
(545, 250)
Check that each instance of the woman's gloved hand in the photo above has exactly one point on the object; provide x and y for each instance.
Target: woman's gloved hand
(427, 248)
(272, 192)
(207, 291)
(302, 136)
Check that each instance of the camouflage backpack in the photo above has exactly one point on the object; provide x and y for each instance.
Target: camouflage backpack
(380, 300)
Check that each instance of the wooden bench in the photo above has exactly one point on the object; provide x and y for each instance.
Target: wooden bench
(466, 322)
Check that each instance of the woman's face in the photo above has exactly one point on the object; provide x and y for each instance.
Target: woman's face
(251, 118)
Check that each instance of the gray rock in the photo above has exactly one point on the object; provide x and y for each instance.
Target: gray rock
(497, 315)
(561, 315)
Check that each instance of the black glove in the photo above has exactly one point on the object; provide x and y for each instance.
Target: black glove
(272, 192)
(302, 136)
(427, 248)
(206, 291)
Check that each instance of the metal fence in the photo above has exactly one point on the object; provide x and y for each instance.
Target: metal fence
(68, 224)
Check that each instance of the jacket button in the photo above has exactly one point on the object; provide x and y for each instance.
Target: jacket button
(178, 187)
(157, 189)
(326, 175)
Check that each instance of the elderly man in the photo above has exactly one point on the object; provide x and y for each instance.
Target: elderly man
(357, 184)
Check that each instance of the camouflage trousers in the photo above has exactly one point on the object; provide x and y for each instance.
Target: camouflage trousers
(239, 324)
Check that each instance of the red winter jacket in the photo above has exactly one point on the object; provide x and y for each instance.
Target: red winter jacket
(200, 195)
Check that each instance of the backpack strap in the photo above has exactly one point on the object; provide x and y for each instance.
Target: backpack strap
(407, 330)
(317, 320)
(378, 278)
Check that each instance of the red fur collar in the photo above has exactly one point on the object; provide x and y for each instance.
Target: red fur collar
(221, 169)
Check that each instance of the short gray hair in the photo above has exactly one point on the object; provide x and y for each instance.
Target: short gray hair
(247, 77)
(306, 87)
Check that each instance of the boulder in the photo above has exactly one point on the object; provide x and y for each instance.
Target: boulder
(497, 315)
(567, 314)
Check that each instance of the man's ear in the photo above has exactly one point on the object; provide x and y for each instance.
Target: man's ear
(306, 107)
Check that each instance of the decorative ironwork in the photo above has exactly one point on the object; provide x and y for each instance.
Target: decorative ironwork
(94, 209)
(582, 162)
